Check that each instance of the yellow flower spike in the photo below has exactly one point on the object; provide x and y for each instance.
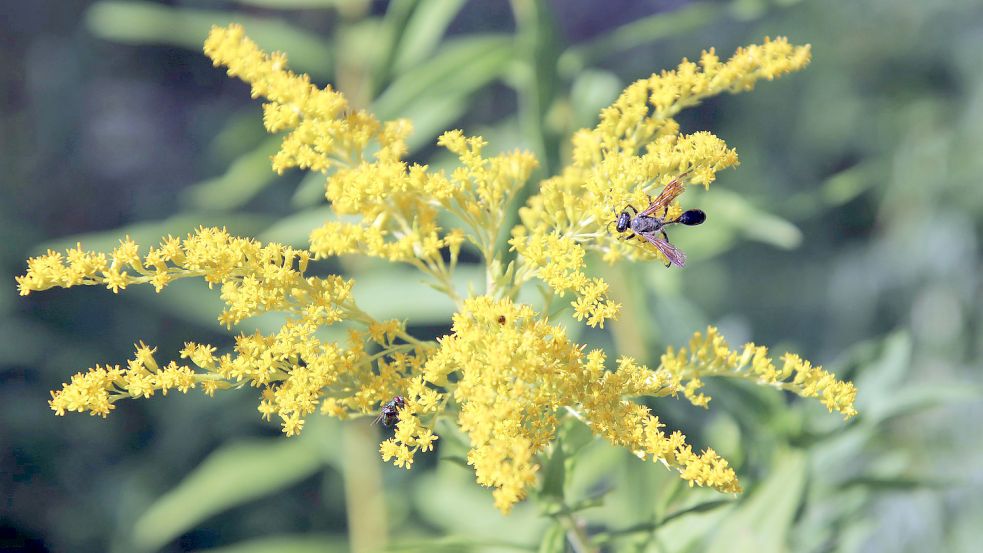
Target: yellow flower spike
(710, 355)
(96, 390)
(321, 132)
(634, 150)
(515, 376)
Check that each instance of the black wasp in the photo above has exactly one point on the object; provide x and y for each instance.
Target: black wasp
(650, 226)
(390, 411)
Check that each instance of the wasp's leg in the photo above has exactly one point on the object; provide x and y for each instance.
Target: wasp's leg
(666, 238)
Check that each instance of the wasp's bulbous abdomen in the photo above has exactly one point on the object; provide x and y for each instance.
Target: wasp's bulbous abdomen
(692, 217)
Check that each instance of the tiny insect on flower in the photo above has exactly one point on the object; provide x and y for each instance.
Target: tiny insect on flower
(652, 227)
(389, 415)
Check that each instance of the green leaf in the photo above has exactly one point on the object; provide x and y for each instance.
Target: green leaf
(668, 494)
(648, 527)
(188, 300)
(239, 133)
(461, 66)
(731, 217)
(456, 544)
(386, 294)
(896, 483)
(763, 520)
(295, 230)
(725, 435)
(584, 504)
(456, 460)
(233, 475)
(698, 508)
(554, 475)
(914, 399)
(387, 40)
(152, 23)
(735, 216)
(752, 405)
(575, 435)
(424, 30)
(554, 540)
(246, 177)
(434, 114)
(286, 544)
(888, 370)
(850, 183)
(300, 4)
(310, 191)
(449, 499)
(637, 33)
(191, 300)
(535, 81)
(592, 90)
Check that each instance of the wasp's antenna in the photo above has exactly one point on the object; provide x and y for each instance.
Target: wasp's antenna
(608, 227)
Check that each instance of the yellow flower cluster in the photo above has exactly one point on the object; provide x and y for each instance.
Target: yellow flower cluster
(399, 206)
(96, 390)
(635, 149)
(323, 131)
(296, 368)
(709, 355)
(505, 374)
(515, 378)
(254, 278)
(398, 202)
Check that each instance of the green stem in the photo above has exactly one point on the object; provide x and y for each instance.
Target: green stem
(364, 493)
(391, 37)
(630, 330)
(537, 50)
(536, 41)
(442, 279)
(576, 534)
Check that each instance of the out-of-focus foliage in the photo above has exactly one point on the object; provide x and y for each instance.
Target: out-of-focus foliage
(852, 227)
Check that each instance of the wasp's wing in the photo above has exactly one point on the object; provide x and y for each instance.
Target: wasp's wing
(668, 194)
(672, 253)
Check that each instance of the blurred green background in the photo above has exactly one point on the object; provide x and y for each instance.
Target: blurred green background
(850, 233)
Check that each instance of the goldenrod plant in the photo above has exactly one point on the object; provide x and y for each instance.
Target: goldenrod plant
(508, 373)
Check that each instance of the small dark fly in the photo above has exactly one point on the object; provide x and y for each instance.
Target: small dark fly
(390, 412)
(651, 227)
